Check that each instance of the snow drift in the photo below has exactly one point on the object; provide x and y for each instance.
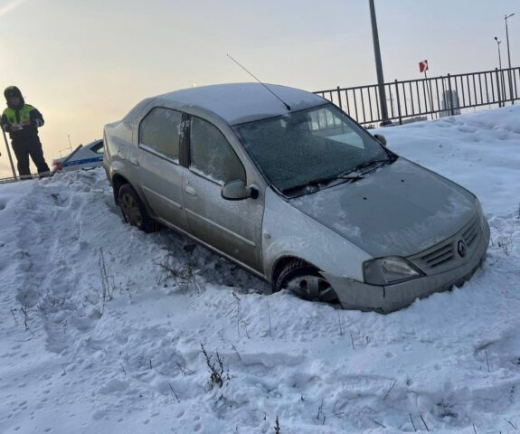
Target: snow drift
(108, 330)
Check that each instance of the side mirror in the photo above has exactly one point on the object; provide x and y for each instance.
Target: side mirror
(237, 190)
(380, 138)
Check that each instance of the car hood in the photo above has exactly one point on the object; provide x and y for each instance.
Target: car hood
(399, 209)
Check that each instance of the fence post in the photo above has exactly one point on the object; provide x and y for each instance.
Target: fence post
(398, 102)
(339, 98)
(501, 98)
(452, 109)
(503, 88)
(515, 85)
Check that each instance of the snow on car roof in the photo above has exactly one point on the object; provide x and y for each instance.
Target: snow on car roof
(237, 103)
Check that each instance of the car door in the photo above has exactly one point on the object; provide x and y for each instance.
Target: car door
(232, 227)
(160, 174)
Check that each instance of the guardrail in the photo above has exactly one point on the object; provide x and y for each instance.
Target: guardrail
(435, 97)
(7, 180)
(46, 174)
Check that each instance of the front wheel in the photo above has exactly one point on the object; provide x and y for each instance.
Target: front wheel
(134, 211)
(306, 282)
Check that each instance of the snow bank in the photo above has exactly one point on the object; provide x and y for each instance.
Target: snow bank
(102, 325)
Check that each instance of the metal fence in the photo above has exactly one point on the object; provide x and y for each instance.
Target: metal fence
(7, 180)
(441, 96)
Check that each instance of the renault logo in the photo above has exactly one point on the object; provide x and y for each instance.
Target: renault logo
(461, 248)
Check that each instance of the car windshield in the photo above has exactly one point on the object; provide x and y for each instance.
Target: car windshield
(309, 147)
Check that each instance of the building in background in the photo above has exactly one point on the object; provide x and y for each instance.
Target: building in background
(450, 100)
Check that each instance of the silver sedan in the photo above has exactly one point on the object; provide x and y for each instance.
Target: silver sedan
(288, 186)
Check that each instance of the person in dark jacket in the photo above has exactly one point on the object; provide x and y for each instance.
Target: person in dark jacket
(22, 121)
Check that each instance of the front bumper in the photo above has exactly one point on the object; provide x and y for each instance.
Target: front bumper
(353, 294)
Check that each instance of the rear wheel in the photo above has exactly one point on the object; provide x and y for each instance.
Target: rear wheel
(134, 211)
(306, 282)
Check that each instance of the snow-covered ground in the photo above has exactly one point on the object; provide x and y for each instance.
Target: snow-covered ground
(102, 326)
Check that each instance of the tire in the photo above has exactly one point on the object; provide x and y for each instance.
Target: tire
(134, 211)
(306, 282)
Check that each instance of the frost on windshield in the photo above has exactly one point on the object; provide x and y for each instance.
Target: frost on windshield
(308, 146)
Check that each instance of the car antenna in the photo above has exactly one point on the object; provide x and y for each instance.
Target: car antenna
(283, 102)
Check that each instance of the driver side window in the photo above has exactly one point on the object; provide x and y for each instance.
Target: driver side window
(211, 155)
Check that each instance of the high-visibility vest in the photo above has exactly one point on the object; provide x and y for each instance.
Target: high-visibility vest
(25, 114)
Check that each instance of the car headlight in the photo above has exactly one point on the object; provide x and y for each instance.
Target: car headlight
(389, 270)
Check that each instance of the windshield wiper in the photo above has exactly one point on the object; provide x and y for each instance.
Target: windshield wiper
(370, 163)
(352, 178)
(357, 173)
(313, 183)
(353, 175)
(320, 181)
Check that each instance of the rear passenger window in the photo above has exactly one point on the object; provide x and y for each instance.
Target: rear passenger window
(212, 155)
(159, 130)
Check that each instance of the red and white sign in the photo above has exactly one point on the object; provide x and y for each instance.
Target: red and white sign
(423, 66)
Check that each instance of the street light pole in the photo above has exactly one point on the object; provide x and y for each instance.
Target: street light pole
(509, 60)
(499, 57)
(379, 66)
(502, 89)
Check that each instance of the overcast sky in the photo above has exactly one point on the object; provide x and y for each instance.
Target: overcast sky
(85, 63)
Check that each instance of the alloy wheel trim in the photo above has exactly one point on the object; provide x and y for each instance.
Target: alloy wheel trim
(131, 210)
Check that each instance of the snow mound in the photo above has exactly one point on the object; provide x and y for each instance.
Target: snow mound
(107, 329)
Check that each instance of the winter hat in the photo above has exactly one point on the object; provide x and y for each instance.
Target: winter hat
(12, 91)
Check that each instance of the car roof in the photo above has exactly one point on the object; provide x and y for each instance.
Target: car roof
(238, 103)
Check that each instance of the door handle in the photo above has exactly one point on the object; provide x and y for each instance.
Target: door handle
(134, 161)
(191, 191)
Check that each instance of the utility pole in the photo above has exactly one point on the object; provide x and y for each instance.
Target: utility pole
(511, 94)
(379, 66)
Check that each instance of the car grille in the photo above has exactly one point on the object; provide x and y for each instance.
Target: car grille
(438, 257)
(470, 235)
(444, 256)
